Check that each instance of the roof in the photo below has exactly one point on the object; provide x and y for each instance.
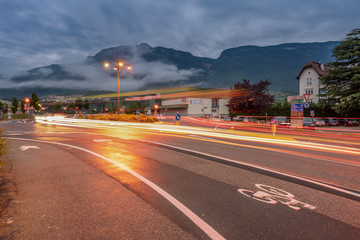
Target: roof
(320, 68)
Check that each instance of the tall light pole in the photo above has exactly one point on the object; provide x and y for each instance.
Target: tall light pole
(117, 66)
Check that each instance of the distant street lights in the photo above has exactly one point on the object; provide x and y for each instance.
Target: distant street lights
(117, 66)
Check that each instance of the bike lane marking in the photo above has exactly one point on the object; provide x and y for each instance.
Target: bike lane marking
(272, 195)
(211, 232)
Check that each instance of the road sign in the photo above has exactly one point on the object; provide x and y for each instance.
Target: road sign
(137, 113)
(178, 117)
(274, 121)
(306, 97)
(306, 104)
(297, 107)
(296, 97)
(312, 113)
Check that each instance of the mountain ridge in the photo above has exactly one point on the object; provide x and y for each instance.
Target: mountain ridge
(279, 64)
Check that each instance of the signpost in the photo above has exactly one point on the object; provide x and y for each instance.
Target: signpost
(177, 117)
(297, 113)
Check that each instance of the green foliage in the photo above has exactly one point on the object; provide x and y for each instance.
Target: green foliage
(280, 109)
(35, 102)
(5, 108)
(250, 99)
(14, 105)
(343, 81)
(86, 104)
(78, 103)
(22, 105)
(19, 116)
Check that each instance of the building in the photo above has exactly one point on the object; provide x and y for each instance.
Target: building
(196, 107)
(309, 82)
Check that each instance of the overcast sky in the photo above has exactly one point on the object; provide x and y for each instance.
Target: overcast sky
(36, 33)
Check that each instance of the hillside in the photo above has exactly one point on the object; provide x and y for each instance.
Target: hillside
(163, 67)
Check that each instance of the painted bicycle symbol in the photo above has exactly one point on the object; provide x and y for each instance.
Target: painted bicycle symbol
(272, 195)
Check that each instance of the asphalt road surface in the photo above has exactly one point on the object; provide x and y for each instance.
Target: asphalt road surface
(83, 179)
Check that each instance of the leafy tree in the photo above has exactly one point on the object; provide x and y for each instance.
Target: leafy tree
(250, 99)
(5, 108)
(22, 105)
(86, 104)
(35, 102)
(281, 109)
(78, 103)
(14, 105)
(71, 106)
(342, 83)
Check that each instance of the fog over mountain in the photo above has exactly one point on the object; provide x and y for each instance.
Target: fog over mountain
(163, 67)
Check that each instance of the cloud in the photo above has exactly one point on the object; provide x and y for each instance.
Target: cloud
(38, 33)
(93, 76)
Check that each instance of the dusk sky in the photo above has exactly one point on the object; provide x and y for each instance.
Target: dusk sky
(36, 33)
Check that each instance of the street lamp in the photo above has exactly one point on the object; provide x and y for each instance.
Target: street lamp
(27, 106)
(117, 66)
(156, 107)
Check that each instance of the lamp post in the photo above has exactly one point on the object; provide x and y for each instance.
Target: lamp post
(117, 66)
(27, 106)
(156, 108)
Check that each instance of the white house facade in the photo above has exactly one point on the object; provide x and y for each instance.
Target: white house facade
(309, 82)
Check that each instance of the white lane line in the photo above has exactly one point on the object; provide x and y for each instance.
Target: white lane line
(212, 233)
(256, 167)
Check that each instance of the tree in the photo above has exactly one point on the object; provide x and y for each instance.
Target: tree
(86, 104)
(250, 99)
(35, 102)
(5, 108)
(22, 105)
(14, 105)
(342, 83)
(78, 103)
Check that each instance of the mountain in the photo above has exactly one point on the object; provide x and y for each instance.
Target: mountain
(280, 64)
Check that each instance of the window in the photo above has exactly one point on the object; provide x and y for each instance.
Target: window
(309, 81)
(309, 91)
(215, 102)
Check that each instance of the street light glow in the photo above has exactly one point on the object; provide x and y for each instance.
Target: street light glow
(117, 66)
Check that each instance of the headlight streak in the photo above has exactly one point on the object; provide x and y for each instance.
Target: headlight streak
(205, 132)
(287, 176)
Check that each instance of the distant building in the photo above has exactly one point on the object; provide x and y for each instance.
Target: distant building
(196, 107)
(309, 80)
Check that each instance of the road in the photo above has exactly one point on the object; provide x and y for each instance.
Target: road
(87, 179)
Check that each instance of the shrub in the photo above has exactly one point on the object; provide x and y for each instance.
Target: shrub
(123, 117)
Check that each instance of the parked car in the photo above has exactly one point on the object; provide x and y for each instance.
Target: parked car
(319, 122)
(238, 119)
(308, 122)
(348, 122)
(353, 122)
(282, 121)
(331, 121)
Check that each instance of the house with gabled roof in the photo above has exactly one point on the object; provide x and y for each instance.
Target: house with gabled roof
(309, 82)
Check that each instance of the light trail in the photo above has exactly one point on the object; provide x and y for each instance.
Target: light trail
(205, 132)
